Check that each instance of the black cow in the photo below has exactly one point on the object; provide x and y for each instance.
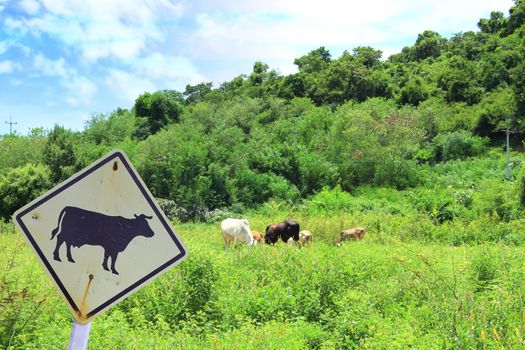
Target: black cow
(77, 227)
(285, 230)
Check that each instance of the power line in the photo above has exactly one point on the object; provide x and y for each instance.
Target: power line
(11, 123)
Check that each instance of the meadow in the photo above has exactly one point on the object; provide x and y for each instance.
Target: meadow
(442, 266)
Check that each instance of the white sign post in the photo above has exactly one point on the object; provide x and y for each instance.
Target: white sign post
(79, 336)
(100, 236)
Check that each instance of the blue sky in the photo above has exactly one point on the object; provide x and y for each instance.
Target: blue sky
(62, 61)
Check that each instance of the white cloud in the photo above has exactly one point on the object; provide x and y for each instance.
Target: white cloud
(161, 67)
(126, 85)
(8, 67)
(151, 73)
(81, 90)
(284, 30)
(106, 28)
(31, 7)
(16, 25)
(49, 67)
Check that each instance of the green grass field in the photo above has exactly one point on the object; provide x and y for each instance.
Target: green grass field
(428, 275)
(380, 293)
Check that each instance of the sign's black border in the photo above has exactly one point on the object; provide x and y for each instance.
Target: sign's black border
(60, 189)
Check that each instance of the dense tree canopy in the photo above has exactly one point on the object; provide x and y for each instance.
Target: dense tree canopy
(338, 121)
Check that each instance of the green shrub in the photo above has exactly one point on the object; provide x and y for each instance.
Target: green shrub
(59, 153)
(396, 172)
(18, 186)
(522, 190)
(330, 200)
(457, 145)
(485, 268)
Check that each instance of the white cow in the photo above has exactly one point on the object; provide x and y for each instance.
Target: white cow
(236, 230)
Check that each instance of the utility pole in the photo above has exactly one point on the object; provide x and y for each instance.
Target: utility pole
(11, 123)
(508, 131)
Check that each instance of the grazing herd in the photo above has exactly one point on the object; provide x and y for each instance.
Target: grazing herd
(238, 231)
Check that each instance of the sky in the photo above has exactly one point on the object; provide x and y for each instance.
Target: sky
(63, 61)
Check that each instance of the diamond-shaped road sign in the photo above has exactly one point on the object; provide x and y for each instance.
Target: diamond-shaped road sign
(100, 235)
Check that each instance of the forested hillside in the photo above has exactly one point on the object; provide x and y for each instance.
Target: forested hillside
(357, 119)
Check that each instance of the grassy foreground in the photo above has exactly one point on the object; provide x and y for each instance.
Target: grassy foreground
(380, 293)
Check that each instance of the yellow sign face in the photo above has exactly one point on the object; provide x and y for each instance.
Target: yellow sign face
(100, 235)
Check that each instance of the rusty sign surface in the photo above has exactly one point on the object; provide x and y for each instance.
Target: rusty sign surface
(100, 235)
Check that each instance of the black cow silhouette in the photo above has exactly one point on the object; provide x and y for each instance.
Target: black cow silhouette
(77, 227)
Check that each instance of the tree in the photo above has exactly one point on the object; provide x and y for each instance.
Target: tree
(314, 61)
(469, 45)
(494, 24)
(19, 186)
(59, 153)
(197, 93)
(16, 150)
(259, 74)
(157, 110)
(293, 85)
(493, 72)
(414, 92)
(234, 86)
(428, 44)
(518, 81)
(368, 56)
(517, 16)
(110, 129)
(459, 81)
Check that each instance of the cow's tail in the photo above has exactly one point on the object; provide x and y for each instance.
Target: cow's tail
(59, 225)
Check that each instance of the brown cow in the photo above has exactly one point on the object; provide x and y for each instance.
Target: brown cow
(356, 233)
(258, 237)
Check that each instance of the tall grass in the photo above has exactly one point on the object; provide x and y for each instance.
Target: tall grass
(376, 293)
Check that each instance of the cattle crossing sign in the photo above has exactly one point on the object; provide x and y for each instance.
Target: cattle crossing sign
(100, 235)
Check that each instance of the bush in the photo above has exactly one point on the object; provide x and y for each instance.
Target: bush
(484, 269)
(329, 200)
(522, 190)
(457, 145)
(21, 185)
(396, 172)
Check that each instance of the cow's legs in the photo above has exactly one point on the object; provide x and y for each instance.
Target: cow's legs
(56, 253)
(69, 257)
(105, 262)
(113, 261)
(234, 242)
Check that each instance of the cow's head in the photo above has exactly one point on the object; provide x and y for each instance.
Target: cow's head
(269, 236)
(293, 229)
(248, 237)
(142, 225)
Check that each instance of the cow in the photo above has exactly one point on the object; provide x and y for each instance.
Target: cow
(285, 230)
(236, 230)
(77, 227)
(305, 237)
(258, 237)
(356, 233)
